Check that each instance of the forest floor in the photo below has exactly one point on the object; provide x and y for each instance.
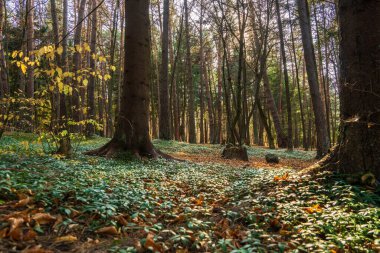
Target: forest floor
(206, 204)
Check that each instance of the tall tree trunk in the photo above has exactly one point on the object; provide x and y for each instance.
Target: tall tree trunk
(4, 85)
(358, 144)
(76, 100)
(323, 143)
(132, 129)
(112, 81)
(91, 84)
(286, 78)
(65, 142)
(281, 138)
(30, 47)
(164, 121)
(189, 80)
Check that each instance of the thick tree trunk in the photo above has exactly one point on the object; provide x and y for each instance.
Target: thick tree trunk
(164, 120)
(359, 140)
(323, 143)
(132, 129)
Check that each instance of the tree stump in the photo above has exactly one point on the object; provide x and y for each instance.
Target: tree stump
(235, 152)
(271, 158)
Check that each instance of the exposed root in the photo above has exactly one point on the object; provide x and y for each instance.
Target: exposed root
(327, 163)
(113, 147)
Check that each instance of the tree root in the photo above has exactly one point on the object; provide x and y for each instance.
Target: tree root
(113, 147)
(329, 162)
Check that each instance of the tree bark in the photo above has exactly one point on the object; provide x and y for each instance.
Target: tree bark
(359, 139)
(91, 84)
(189, 80)
(286, 78)
(311, 67)
(132, 129)
(164, 115)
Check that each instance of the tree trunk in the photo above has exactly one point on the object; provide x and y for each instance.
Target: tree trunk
(4, 85)
(281, 138)
(311, 67)
(132, 129)
(30, 47)
(164, 120)
(189, 80)
(358, 144)
(286, 78)
(76, 103)
(91, 84)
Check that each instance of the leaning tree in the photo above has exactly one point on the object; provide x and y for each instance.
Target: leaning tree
(359, 141)
(132, 128)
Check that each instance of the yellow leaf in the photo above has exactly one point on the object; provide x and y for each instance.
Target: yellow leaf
(113, 68)
(59, 71)
(66, 238)
(85, 82)
(59, 50)
(23, 68)
(60, 86)
(86, 47)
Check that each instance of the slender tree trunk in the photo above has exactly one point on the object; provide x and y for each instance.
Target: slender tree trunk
(30, 8)
(4, 85)
(76, 99)
(286, 78)
(311, 67)
(281, 138)
(91, 84)
(164, 120)
(189, 81)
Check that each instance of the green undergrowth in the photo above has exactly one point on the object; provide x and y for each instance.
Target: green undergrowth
(200, 208)
(254, 151)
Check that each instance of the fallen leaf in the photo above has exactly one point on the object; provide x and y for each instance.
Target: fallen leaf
(23, 202)
(43, 218)
(16, 234)
(36, 249)
(66, 238)
(150, 244)
(281, 178)
(15, 223)
(3, 233)
(111, 230)
(314, 209)
(30, 235)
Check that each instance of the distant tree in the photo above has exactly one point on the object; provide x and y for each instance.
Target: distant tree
(164, 120)
(323, 143)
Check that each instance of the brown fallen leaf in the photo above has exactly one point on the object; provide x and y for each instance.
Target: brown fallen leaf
(66, 238)
(281, 178)
(122, 221)
(3, 233)
(23, 202)
(36, 249)
(111, 230)
(16, 234)
(43, 218)
(30, 235)
(15, 223)
(150, 244)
